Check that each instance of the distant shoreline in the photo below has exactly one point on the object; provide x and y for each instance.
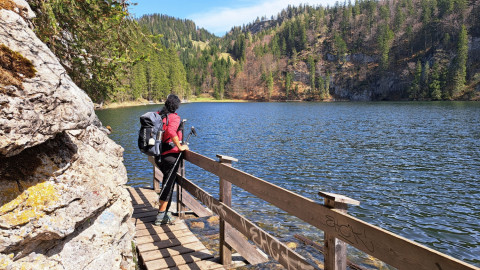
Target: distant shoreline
(123, 104)
(115, 105)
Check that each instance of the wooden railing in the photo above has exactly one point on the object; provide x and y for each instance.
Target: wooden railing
(331, 217)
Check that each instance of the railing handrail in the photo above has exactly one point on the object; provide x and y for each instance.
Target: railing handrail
(393, 249)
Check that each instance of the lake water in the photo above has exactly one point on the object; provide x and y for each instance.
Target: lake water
(414, 167)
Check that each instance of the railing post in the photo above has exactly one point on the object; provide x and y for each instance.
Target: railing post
(157, 175)
(226, 198)
(335, 250)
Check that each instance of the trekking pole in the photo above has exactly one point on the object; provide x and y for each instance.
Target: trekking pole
(192, 131)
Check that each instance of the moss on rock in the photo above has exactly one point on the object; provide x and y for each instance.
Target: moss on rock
(13, 68)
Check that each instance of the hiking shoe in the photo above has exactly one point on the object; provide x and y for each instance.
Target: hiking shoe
(164, 218)
(169, 218)
(159, 219)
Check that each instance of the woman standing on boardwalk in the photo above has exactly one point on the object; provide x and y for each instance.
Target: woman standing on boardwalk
(166, 161)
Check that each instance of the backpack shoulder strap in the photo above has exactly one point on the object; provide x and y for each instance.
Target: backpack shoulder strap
(164, 116)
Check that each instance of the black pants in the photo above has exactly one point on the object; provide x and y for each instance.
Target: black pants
(166, 165)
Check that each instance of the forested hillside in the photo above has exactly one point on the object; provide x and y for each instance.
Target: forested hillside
(362, 50)
(367, 50)
(408, 49)
(174, 32)
(107, 53)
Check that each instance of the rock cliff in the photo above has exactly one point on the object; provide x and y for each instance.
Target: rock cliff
(63, 204)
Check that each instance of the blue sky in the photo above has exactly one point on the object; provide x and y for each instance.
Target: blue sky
(219, 16)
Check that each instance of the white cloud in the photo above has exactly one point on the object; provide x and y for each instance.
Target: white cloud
(222, 19)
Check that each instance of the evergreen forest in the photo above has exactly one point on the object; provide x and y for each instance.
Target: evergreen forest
(354, 50)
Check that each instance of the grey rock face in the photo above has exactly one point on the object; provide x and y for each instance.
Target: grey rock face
(49, 103)
(63, 204)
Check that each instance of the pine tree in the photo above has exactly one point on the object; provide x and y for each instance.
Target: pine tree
(414, 91)
(445, 7)
(435, 86)
(399, 17)
(460, 6)
(327, 85)
(269, 82)
(275, 46)
(302, 36)
(311, 67)
(425, 81)
(356, 8)
(341, 48)
(385, 12)
(443, 84)
(460, 70)
(321, 87)
(288, 84)
(385, 40)
(139, 82)
(239, 48)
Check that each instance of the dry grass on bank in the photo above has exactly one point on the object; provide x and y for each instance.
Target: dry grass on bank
(141, 102)
(113, 105)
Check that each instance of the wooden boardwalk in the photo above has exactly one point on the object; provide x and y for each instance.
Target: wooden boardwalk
(166, 246)
(175, 247)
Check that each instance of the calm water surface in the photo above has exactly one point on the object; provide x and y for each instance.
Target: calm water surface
(414, 167)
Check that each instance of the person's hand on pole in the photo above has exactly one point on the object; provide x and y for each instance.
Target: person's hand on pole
(177, 143)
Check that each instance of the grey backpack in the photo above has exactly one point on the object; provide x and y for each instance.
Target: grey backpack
(151, 132)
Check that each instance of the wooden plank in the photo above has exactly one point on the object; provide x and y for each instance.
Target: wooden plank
(247, 250)
(237, 261)
(147, 235)
(143, 208)
(148, 195)
(149, 219)
(151, 238)
(225, 197)
(144, 197)
(143, 192)
(177, 260)
(147, 216)
(151, 160)
(157, 230)
(204, 265)
(135, 206)
(157, 176)
(167, 243)
(320, 248)
(153, 212)
(136, 199)
(382, 244)
(335, 251)
(157, 179)
(171, 251)
(279, 251)
(166, 228)
(338, 198)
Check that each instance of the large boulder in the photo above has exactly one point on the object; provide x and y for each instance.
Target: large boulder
(63, 203)
(46, 104)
